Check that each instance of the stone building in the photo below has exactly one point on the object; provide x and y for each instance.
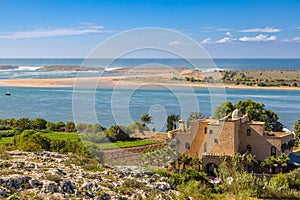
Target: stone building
(210, 138)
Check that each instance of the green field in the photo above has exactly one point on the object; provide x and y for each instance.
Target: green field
(63, 136)
(121, 144)
(75, 137)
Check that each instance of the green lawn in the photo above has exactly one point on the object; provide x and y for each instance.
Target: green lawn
(6, 140)
(63, 136)
(75, 137)
(120, 144)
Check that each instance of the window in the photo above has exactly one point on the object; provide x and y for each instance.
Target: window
(216, 141)
(248, 132)
(210, 131)
(205, 130)
(273, 151)
(187, 145)
(205, 147)
(248, 148)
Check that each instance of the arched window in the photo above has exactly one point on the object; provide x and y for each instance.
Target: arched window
(205, 130)
(273, 151)
(248, 147)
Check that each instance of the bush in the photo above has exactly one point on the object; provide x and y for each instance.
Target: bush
(30, 140)
(70, 126)
(50, 126)
(8, 133)
(89, 128)
(23, 124)
(116, 133)
(64, 146)
(136, 126)
(39, 124)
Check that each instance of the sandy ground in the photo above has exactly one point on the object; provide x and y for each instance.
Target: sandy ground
(159, 78)
(128, 82)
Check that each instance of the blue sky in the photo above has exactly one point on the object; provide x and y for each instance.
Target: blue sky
(225, 28)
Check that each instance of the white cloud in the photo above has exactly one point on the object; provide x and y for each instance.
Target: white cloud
(177, 43)
(298, 27)
(223, 29)
(207, 41)
(225, 40)
(228, 34)
(214, 28)
(53, 32)
(295, 39)
(259, 38)
(261, 30)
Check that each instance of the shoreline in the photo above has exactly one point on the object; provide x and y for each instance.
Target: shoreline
(113, 82)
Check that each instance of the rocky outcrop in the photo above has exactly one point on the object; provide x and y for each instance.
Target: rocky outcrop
(50, 175)
(4, 67)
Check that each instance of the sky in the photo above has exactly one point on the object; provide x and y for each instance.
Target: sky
(224, 28)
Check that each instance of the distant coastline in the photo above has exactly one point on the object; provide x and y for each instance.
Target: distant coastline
(153, 78)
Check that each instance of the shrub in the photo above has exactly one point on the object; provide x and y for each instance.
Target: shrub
(39, 124)
(60, 126)
(116, 133)
(23, 124)
(50, 126)
(30, 140)
(8, 133)
(70, 126)
(136, 126)
(64, 146)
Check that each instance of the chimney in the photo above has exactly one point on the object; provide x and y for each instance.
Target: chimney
(181, 126)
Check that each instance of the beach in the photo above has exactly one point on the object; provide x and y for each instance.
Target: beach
(153, 77)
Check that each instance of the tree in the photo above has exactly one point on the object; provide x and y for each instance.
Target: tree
(30, 140)
(256, 112)
(297, 132)
(270, 162)
(116, 133)
(197, 162)
(60, 126)
(39, 124)
(97, 128)
(50, 126)
(282, 161)
(249, 161)
(186, 160)
(171, 122)
(70, 126)
(23, 124)
(146, 119)
(223, 110)
(10, 123)
(194, 116)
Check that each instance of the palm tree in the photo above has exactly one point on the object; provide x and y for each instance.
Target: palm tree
(146, 119)
(193, 116)
(282, 161)
(197, 162)
(270, 161)
(186, 160)
(175, 119)
(250, 161)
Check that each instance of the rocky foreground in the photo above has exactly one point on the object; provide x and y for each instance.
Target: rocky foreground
(49, 175)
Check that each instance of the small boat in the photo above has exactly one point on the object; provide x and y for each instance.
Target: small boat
(7, 93)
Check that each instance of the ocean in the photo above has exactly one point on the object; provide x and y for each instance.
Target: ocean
(56, 104)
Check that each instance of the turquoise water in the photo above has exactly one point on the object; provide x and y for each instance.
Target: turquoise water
(56, 104)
